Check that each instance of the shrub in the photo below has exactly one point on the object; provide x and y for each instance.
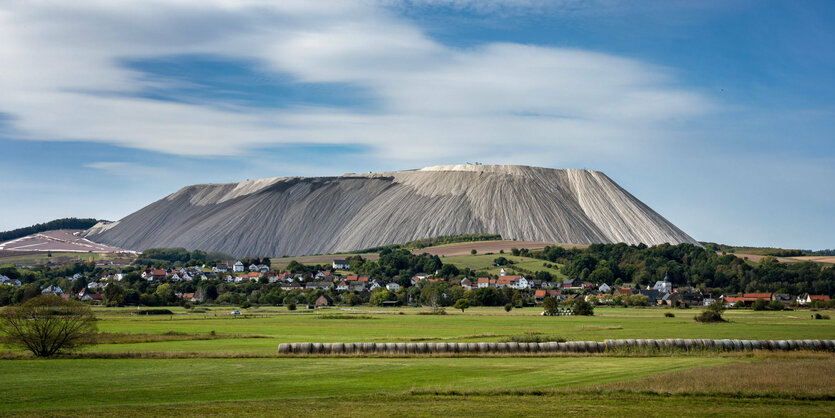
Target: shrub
(48, 325)
(713, 313)
(581, 307)
(155, 312)
(820, 316)
(291, 306)
(462, 304)
(473, 251)
(508, 307)
(246, 305)
(670, 315)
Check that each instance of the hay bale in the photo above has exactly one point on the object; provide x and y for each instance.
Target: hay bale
(772, 344)
(482, 347)
(641, 344)
(400, 348)
(316, 348)
(562, 347)
(391, 348)
(808, 345)
(452, 347)
(472, 347)
(369, 348)
(828, 344)
(572, 346)
(784, 345)
(533, 347)
(502, 348)
(792, 344)
(493, 347)
(747, 345)
(283, 348)
(421, 348)
(738, 345)
(513, 347)
(689, 344)
(380, 348)
(818, 344)
(462, 348)
(441, 348)
(679, 343)
(304, 348)
(431, 348)
(631, 343)
(552, 346)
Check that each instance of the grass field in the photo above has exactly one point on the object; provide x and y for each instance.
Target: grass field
(215, 376)
(484, 262)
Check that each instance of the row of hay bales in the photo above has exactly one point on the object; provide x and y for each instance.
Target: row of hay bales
(552, 347)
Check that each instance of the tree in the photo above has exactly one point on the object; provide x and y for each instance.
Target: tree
(473, 251)
(581, 307)
(759, 305)
(47, 325)
(165, 292)
(550, 305)
(114, 295)
(713, 313)
(462, 304)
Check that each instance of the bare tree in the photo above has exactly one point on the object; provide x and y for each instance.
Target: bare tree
(47, 325)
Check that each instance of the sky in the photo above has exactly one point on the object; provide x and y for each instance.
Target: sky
(719, 115)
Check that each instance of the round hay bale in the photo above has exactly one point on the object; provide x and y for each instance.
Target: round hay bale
(601, 347)
(421, 348)
(641, 343)
(808, 345)
(631, 343)
(513, 347)
(431, 348)
(572, 346)
(747, 346)
(610, 344)
(679, 343)
(772, 344)
(818, 344)
(784, 345)
(462, 348)
(552, 346)
(532, 347)
(441, 348)
(337, 348)
(828, 344)
(492, 347)
(738, 345)
(294, 348)
(350, 348)
(452, 347)
(502, 348)
(369, 348)
(316, 348)
(562, 347)
(380, 348)
(283, 348)
(726, 345)
(304, 348)
(792, 344)
(391, 348)
(688, 344)
(400, 348)
(483, 347)
(472, 347)
(588, 346)
(756, 345)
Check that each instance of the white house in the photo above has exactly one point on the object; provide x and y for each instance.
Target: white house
(252, 267)
(393, 286)
(374, 285)
(92, 285)
(238, 267)
(604, 288)
(341, 264)
(342, 286)
(52, 290)
(663, 286)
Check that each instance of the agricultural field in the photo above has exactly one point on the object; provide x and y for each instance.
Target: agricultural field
(206, 361)
(484, 262)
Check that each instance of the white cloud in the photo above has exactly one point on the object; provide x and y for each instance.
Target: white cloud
(61, 79)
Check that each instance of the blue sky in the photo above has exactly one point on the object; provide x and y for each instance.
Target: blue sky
(718, 115)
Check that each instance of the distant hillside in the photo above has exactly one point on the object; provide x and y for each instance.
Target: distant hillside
(63, 223)
(320, 215)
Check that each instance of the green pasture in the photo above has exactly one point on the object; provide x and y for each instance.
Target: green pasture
(475, 324)
(46, 385)
(484, 262)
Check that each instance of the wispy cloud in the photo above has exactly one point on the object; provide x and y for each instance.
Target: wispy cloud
(61, 64)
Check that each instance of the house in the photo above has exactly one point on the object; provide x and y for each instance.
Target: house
(238, 267)
(572, 284)
(784, 298)
(323, 300)
(746, 299)
(393, 286)
(342, 286)
(374, 285)
(220, 268)
(663, 286)
(52, 290)
(158, 274)
(806, 299)
(467, 284)
(513, 282)
(483, 282)
(623, 291)
(356, 286)
(9, 282)
(502, 272)
(324, 285)
(253, 267)
(290, 286)
(654, 296)
(85, 295)
(541, 294)
(604, 288)
(341, 265)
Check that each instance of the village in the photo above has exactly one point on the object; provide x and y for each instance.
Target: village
(260, 284)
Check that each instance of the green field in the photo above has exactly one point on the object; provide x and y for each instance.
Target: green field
(484, 262)
(235, 373)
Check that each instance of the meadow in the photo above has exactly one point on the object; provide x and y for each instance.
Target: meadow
(214, 363)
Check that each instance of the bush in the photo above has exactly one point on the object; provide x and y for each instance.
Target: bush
(508, 307)
(820, 316)
(713, 313)
(155, 312)
(48, 325)
(581, 307)
(246, 305)
(670, 315)
(291, 306)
